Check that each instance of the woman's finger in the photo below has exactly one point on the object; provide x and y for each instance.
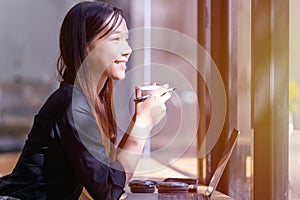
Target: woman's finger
(162, 90)
(165, 97)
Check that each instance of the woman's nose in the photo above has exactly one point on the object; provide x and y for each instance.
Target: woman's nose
(126, 49)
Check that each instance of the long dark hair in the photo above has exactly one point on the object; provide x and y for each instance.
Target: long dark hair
(80, 26)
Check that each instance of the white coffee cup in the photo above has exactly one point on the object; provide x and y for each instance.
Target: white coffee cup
(148, 89)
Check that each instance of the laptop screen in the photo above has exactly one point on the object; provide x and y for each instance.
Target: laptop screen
(222, 162)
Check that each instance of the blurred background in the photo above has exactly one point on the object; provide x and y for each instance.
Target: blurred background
(29, 49)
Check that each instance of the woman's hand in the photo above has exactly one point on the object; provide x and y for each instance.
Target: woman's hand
(150, 111)
(147, 114)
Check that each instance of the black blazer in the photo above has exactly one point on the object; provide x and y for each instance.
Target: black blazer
(63, 153)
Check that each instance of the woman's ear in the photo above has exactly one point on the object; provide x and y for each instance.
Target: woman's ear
(88, 48)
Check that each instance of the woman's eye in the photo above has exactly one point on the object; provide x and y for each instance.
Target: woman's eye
(116, 39)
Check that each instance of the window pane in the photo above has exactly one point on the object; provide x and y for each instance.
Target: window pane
(294, 101)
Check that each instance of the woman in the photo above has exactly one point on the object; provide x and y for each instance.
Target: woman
(71, 143)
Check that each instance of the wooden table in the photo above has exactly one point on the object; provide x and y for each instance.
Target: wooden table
(189, 196)
(8, 162)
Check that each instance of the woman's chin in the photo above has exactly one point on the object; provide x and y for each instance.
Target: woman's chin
(119, 77)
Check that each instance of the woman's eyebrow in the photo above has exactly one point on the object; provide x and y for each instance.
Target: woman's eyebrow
(120, 32)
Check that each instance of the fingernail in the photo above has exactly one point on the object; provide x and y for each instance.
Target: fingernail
(166, 85)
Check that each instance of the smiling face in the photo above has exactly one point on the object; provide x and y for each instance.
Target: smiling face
(108, 55)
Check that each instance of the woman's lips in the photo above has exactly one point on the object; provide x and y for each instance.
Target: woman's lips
(121, 63)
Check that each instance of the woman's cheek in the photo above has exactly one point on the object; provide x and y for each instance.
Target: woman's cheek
(108, 54)
(103, 56)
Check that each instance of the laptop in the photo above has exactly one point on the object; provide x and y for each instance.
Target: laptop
(204, 195)
(222, 163)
